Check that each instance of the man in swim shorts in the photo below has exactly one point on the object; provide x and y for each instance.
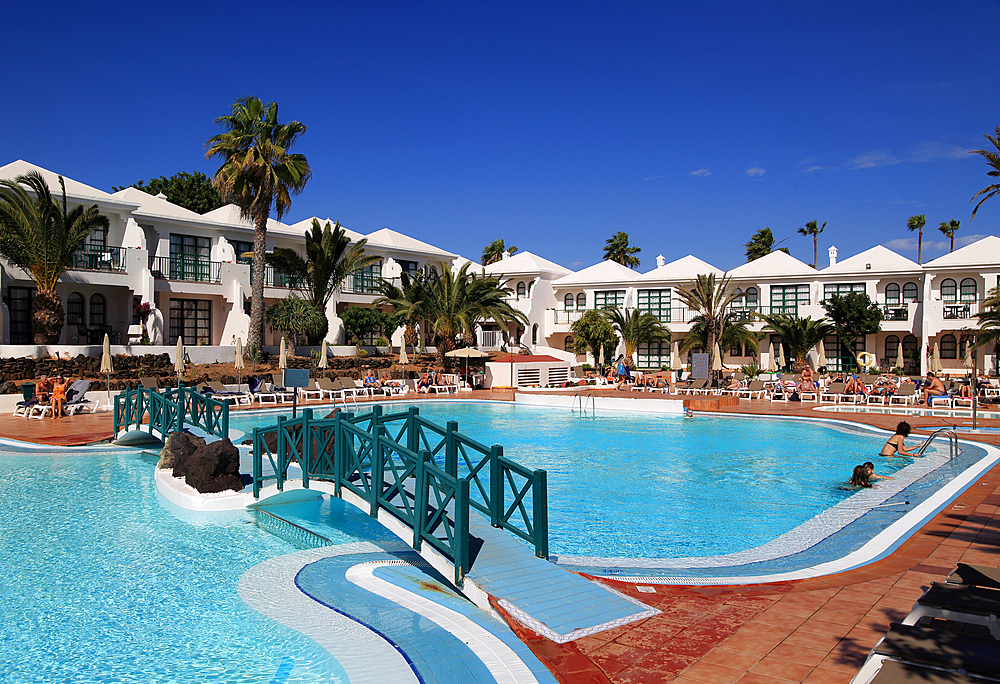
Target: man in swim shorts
(934, 388)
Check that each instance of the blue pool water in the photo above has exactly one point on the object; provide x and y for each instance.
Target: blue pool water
(102, 581)
(661, 486)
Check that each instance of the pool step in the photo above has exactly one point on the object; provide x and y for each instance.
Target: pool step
(301, 537)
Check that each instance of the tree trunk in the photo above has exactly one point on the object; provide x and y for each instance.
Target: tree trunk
(255, 336)
(445, 344)
(47, 317)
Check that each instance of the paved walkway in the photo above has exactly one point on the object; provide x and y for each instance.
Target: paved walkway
(817, 630)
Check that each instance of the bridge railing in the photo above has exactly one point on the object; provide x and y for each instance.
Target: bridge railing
(168, 412)
(426, 476)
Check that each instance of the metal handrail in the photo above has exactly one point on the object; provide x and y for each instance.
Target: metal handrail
(952, 442)
(581, 396)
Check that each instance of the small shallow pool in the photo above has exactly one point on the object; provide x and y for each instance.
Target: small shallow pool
(644, 486)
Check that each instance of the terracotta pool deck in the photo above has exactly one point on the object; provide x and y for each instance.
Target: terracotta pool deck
(817, 630)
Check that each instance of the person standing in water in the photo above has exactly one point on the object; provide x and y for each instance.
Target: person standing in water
(894, 445)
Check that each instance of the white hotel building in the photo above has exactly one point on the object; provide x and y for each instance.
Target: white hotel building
(188, 267)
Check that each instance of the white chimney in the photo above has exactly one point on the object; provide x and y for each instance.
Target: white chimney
(160, 195)
(833, 256)
(660, 261)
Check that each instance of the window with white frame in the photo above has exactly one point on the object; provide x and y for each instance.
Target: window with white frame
(786, 298)
(830, 289)
(652, 355)
(609, 299)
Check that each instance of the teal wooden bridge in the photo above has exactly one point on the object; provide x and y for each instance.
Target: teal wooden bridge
(162, 413)
(426, 476)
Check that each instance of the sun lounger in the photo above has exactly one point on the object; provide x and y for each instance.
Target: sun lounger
(906, 394)
(938, 648)
(976, 576)
(961, 603)
(944, 401)
(875, 399)
(446, 388)
(76, 399)
(695, 387)
(219, 391)
(893, 672)
(755, 388)
(961, 402)
(24, 407)
(328, 387)
(831, 395)
(305, 392)
(350, 386)
(149, 383)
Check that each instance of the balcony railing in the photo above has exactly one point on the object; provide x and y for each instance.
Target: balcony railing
(961, 310)
(98, 258)
(361, 282)
(563, 317)
(186, 268)
(895, 312)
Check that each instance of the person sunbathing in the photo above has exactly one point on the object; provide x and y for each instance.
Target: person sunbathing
(423, 385)
(43, 389)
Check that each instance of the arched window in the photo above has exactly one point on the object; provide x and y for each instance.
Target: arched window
(949, 290)
(568, 301)
(892, 350)
(909, 292)
(74, 309)
(968, 290)
(530, 285)
(911, 347)
(892, 293)
(581, 301)
(534, 334)
(568, 344)
(520, 289)
(737, 299)
(750, 296)
(98, 310)
(949, 347)
(962, 344)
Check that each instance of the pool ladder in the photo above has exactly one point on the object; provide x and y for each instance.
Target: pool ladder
(583, 403)
(952, 442)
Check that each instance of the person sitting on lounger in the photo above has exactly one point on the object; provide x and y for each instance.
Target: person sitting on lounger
(934, 388)
(58, 396)
(894, 445)
(370, 380)
(807, 374)
(965, 391)
(854, 386)
(43, 389)
(423, 385)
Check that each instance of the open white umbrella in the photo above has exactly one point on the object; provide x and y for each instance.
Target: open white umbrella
(717, 361)
(323, 362)
(179, 360)
(936, 360)
(239, 364)
(781, 356)
(772, 365)
(282, 363)
(107, 367)
(467, 353)
(900, 361)
(821, 352)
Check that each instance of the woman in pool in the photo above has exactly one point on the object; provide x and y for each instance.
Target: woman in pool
(895, 447)
(859, 478)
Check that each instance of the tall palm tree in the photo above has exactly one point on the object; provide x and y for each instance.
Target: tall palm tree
(734, 333)
(636, 327)
(494, 252)
(455, 302)
(616, 248)
(407, 300)
(709, 298)
(257, 173)
(811, 229)
(800, 334)
(330, 259)
(917, 223)
(949, 228)
(992, 158)
(40, 235)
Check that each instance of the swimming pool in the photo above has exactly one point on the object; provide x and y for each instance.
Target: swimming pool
(645, 486)
(105, 582)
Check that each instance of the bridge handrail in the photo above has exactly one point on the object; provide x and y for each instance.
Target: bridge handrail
(374, 457)
(168, 411)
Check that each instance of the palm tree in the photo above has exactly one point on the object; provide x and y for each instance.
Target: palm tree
(710, 299)
(494, 252)
(993, 159)
(735, 333)
(454, 303)
(636, 327)
(811, 229)
(917, 223)
(258, 172)
(616, 248)
(800, 334)
(297, 317)
(949, 228)
(330, 259)
(40, 236)
(761, 244)
(407, 300)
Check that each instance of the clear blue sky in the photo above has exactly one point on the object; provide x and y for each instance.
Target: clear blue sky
(550, 125)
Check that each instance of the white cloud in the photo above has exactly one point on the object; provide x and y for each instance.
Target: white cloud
(812, 169)
(929, 151)
(755, 171)
(902, 244)
(649, 178)
(871, 160)
(967, 240)
(701, 173)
